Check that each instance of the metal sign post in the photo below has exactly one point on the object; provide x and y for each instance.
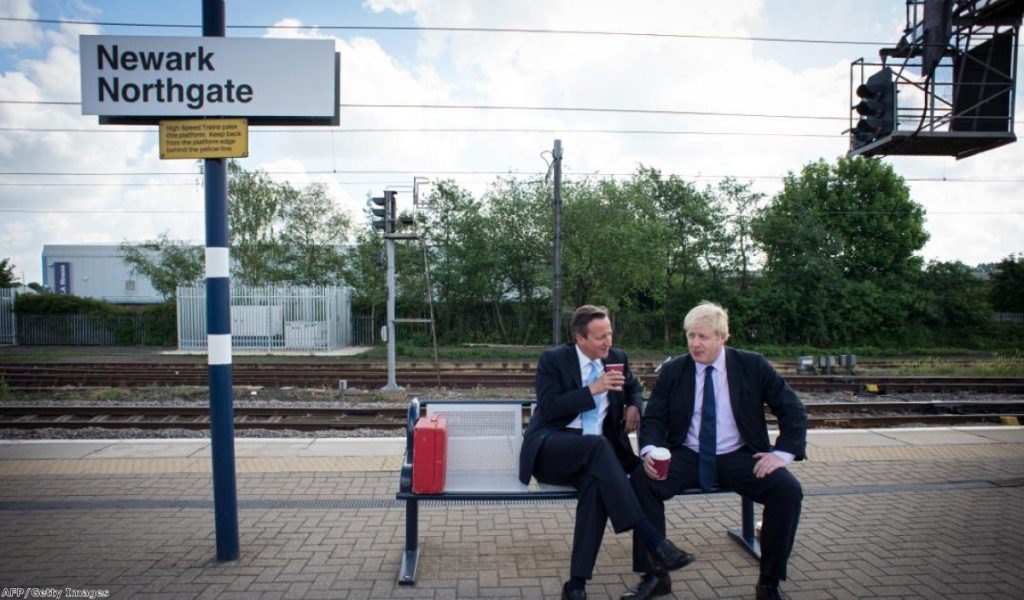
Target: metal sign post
(218, 332)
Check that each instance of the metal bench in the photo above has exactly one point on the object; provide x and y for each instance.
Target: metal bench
(484, 438)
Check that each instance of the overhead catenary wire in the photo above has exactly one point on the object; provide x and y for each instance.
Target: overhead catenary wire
(453, 29)
(514, 107)
(106, 211)
(496, 173)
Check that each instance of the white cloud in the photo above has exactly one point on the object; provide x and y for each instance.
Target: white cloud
(18, 33)
(396, 6)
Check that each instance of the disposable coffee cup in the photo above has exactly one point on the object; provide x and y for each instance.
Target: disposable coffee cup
(616, 367)
(661, 457)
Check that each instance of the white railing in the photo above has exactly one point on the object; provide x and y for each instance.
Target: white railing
(8, 329)
(309, 319)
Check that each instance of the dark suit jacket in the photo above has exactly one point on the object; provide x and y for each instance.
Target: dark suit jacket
(561, 397)
(753, 383)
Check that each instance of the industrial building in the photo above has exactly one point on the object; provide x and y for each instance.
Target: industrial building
(95, 271)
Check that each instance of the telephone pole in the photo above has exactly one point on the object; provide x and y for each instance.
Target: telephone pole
(556, 290)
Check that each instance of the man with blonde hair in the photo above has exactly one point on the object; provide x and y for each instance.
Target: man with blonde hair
(707, 408)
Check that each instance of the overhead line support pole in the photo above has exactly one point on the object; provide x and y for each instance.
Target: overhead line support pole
(556, 289)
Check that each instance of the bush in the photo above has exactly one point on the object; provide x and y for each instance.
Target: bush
(65, 304)
(159, 323)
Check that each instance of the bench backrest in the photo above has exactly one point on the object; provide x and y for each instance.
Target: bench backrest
(483, 445)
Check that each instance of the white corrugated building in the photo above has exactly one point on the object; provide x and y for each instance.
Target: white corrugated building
(95, 271)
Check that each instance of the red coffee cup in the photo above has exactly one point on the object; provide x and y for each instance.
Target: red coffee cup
(617, 368)
(661, 457)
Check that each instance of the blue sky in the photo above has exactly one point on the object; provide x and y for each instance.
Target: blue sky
(978, 220)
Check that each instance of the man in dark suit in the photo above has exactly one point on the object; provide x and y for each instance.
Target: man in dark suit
(707, 408)
(578, 436)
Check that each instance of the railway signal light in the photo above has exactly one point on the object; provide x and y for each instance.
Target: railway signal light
(877, 108)
(391, 211)
(379, 208)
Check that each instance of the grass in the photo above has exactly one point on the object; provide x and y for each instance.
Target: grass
(33, 356)
(108, 394)
(995, 367)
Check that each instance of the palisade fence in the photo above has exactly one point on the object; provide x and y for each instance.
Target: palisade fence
(8, 326)
(82, 330)
(271, 318)
(365, 329)
(1014, 318)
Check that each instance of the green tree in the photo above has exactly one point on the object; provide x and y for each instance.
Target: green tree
(313, 233)
(7, 278)
(519, 225)
(463, 266)
(363, 271)
(839, 243)
(255, 203)
(610, 256)
(958, 300)
(870, 225)
(167, 263)
(743, 205)
(679, 228)
(1007, 279)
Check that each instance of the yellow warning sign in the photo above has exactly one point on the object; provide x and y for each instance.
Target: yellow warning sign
(204, 138)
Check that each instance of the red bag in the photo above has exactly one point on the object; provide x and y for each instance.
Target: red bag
(430, 453)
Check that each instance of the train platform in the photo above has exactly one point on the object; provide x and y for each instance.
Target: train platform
(891, 513)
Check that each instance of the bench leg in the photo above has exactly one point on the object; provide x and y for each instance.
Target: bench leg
(746, 537)
(411, 554)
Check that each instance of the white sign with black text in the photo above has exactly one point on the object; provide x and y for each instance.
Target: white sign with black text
(153, 76)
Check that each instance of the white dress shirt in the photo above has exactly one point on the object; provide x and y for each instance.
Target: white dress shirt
(727, 434)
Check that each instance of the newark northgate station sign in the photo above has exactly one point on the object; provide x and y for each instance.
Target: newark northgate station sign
(143, 79)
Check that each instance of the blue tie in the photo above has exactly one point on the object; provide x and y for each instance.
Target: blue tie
(706, 458)
(589, 417)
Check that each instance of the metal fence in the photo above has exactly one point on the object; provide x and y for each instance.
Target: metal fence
(365, 330)
(271, 318)
(1015, 318)
(82, 330)
(8, 325)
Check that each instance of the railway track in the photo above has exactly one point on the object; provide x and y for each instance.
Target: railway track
(832, 415)
(19, 376)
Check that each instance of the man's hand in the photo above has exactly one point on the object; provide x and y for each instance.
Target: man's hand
(610, 381)
(766, 464)
(632, 418)
(649, 467)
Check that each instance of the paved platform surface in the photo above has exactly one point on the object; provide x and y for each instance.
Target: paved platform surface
(911, 513)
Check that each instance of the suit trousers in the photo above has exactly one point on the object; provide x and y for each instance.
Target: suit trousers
(588, 463)
(780, 493)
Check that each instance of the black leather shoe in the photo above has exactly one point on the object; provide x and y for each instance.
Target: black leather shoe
(669, 558)
(768, 592)
(568, 594)
(650, 585)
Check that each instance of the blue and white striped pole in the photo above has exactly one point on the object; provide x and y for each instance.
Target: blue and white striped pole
(218, 331)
